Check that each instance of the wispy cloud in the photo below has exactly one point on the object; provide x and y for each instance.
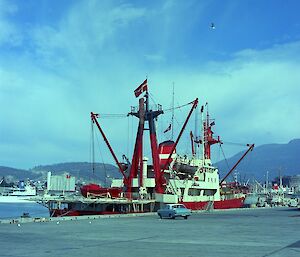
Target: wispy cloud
(8, 32)
(93, 56)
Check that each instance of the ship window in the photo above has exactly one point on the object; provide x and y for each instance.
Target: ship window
(209, 192)
(194, 192)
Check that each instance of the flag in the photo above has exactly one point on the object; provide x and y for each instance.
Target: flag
(168, 128)
(143, 87)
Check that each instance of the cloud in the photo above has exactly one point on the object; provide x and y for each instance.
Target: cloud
(254, 94)
(97, 53)
(8, 32)
(87, 31)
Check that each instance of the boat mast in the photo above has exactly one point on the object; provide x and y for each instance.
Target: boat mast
(172, 119)
(195, 103)
(208, 139)
(203, 133)
(137, 159)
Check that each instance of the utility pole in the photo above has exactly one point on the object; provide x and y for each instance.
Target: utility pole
(267, 181)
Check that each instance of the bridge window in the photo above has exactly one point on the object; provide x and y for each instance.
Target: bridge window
(194, 192)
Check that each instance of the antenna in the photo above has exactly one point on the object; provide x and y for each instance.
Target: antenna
(203, 133)
(172, 119)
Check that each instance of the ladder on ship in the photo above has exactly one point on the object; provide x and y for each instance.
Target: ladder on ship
(209, 206)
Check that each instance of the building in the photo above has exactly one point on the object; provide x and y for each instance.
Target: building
(60, 183)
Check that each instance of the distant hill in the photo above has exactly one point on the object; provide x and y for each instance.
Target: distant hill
(12, 173)
(83, 171)
(274, 158)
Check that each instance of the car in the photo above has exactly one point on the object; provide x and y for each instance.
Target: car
(293, 202)
(172, 211)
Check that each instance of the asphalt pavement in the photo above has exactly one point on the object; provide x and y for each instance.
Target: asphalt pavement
(247, 232)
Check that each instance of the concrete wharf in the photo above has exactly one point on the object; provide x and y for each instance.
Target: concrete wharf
(241, 232)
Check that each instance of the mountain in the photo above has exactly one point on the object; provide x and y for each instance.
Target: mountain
(271, 158)
(12, 173)
(83, 171)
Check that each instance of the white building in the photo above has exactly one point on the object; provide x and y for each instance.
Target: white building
(64, 183)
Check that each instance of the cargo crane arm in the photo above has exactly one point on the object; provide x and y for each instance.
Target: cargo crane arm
(94, 117)
(195, 103)
(192, 143)
(234, 166)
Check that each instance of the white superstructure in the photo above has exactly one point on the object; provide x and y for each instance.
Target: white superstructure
(20, 194)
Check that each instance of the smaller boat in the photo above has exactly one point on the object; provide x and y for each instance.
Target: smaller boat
(95, 190)
(20, 194)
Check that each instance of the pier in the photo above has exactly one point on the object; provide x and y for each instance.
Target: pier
(244, 232)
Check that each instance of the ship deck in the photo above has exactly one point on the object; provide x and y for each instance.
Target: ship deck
(243, 232)
(81, 199)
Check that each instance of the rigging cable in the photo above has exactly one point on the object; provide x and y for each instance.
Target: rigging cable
(178, 107)
(103, 164)
(128, 136)
(92, 148)
(112, 115)
(224, 156)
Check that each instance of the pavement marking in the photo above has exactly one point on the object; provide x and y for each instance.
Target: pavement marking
(293, 245)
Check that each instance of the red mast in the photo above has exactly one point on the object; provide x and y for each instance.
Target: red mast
(208, 136)
(137, 158)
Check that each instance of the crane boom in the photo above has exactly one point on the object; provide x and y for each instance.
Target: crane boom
(234, 166)
(94, 117)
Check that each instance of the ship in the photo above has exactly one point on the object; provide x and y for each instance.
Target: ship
(23, 193)
(170, 178)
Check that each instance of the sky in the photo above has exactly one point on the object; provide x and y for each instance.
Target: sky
(60, 60)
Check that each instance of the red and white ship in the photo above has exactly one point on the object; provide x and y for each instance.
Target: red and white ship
(170, 178)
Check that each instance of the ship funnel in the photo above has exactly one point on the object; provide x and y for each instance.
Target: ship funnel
(164, 150)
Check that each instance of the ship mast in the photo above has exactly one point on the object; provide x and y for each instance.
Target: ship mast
(208, 139)
(145, 114)
(173, 110)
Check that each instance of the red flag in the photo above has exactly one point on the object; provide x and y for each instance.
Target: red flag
(168, 129)
(143, 87)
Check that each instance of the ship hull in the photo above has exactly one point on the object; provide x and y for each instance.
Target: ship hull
(222, 204)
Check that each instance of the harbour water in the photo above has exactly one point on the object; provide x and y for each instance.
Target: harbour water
(15, 210)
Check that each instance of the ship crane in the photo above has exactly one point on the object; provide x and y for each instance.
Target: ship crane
(251, 146)
(94, 117)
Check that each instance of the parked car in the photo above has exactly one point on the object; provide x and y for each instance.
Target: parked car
(172, 211)
(293, 202)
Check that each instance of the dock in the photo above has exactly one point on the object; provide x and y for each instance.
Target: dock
(241, 232)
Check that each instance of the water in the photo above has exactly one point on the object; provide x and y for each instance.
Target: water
(15, 210)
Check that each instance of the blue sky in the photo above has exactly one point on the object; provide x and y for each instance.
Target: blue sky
(59, 60)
